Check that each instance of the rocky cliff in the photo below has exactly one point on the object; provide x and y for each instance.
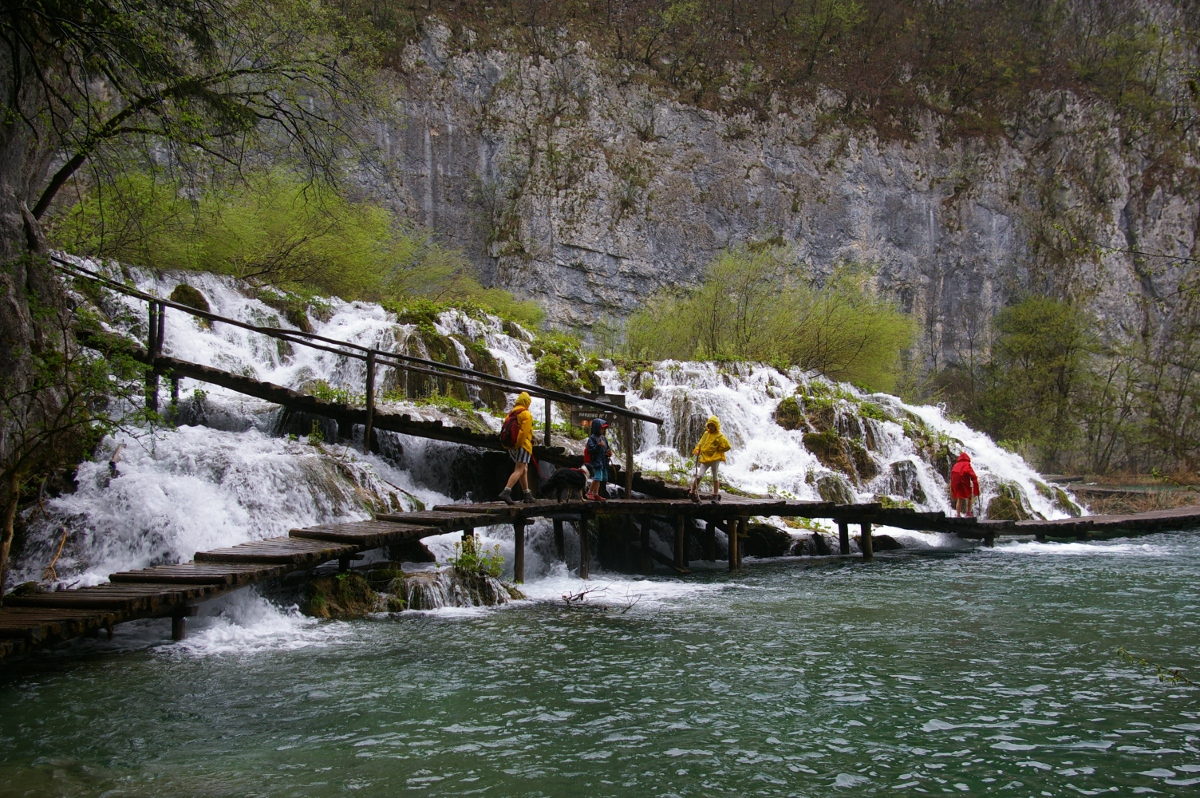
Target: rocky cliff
(587, 188)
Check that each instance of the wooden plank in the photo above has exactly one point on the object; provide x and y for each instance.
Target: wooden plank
(283, 551)
(366, 534)
(226, 574)
(127, 598)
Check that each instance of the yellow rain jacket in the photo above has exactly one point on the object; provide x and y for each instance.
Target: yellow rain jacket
(524, 423)
(713, 444)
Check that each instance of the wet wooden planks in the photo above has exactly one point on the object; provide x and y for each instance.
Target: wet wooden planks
(290, 551)
(142, 599)
(366, 534)
(226, 574)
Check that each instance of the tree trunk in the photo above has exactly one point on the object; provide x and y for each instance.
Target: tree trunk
(10, 515)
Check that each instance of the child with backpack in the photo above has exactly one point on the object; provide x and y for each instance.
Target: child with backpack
(516, 436)
(596, 453)
(709, 452)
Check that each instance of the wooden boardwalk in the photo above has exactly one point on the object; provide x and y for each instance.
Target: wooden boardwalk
(35, 620)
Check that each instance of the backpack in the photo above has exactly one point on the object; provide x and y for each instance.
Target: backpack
(587, 454)
(510, 429)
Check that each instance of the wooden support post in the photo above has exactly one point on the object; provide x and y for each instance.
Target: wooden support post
(843, 537)
(710, 540)
(989, 541)
(628, 430)
(178, 627)
(647, 562)
(560, 544)
(519, 552)
(680, 542)
(152, 349)
(344, 564)
(468, 532)
(548, 417)
(743, 531)
(370, 426)
(174, 390)
(732, 528)
(585, 555)
(162, 329)
(868, 547)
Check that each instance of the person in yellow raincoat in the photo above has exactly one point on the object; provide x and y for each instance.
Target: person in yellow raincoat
(709, 452)
(522, 452)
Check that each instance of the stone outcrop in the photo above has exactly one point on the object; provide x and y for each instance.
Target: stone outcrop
(578, 184)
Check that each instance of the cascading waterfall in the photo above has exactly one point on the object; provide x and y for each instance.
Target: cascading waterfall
(224, 476)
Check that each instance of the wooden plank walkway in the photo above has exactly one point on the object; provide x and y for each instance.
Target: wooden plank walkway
(36, 620)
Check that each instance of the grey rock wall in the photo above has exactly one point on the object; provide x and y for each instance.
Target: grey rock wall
(587, 189)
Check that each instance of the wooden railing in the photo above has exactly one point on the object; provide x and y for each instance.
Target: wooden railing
(372, 357)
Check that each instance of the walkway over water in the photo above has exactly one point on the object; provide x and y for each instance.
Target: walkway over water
(36, 620)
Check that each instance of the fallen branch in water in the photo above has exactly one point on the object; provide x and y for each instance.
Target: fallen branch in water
(1173, 675)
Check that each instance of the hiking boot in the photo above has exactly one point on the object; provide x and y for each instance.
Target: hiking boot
(692, 495)
(528, 499)
(506, 496)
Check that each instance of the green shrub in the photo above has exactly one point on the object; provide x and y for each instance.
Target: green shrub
(470, 559)
(275, 227)
(753, 305)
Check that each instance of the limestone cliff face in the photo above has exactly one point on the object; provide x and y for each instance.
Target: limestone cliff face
(588, 190)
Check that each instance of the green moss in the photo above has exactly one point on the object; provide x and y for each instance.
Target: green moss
(789, 415)
(346, 595)
(185, 294)
(1008, 504)
(888, 503)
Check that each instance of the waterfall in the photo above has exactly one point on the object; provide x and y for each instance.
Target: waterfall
(224, 475)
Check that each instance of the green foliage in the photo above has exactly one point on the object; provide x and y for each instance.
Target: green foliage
(301, 236)
(754, 306)
(342, 396)
(470, 559)
(315, 437)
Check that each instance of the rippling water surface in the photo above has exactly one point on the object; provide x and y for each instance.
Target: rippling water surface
(979, 672)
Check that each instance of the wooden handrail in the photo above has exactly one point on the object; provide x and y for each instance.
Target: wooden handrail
(396, 360)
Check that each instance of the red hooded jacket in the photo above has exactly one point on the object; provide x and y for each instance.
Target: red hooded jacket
(963, 482)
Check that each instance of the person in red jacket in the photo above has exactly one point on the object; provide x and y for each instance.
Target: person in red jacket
(964, 485)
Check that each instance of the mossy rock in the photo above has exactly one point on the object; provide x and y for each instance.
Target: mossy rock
(885, 543)
(346, 595)
(827, 447)
(1008, 504)
(1062, 502)
(789, 415)
(834, 488)
(483, 360)
(864, 464)
(905, 481)
(821, 418)
(429, 344)
(185, 294)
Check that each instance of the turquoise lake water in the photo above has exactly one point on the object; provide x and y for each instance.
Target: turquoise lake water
(976, 672)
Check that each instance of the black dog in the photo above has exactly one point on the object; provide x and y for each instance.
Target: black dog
(566, 481)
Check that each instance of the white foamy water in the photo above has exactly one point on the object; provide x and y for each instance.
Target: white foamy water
(244, 623)
(227, 477)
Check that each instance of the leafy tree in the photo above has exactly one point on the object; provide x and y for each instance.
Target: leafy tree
(1039, 374)
(274, 227)
(86, 81)
(753, 306)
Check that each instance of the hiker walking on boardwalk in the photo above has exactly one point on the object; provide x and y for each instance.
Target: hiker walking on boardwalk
(596, 454)
(709, 452)
(516, 435)
(964, 486)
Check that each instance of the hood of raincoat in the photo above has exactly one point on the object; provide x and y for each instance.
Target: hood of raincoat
(523, 400)
(598, 426)
(714, 424)
(964, 458)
